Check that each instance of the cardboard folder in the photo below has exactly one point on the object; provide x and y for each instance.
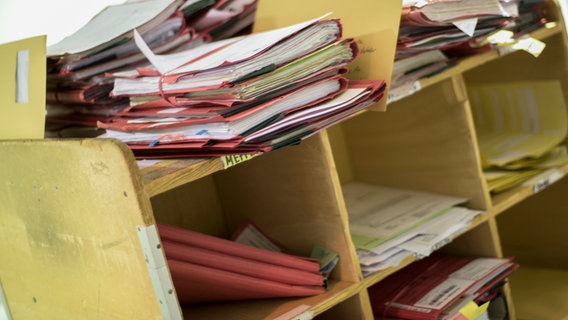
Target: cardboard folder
(439, 286)
(22, 94)
(195, 283)
(189, 237)
(206, 268)
(230, 263)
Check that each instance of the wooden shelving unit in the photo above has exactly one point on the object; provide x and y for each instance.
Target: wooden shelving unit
(77, 217)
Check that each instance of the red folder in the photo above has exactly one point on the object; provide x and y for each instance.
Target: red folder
(195, 283)
(196, 239)
(125, 123)
(438, 286)
(230, 263)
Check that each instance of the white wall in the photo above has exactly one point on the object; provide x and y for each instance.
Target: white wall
(21, 19)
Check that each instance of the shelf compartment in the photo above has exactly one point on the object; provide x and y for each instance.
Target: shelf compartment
(534, 230)
(425, 143)
(540, 293)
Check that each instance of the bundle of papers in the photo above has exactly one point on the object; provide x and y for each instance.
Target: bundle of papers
(444, 25)
(206, 268)
(78, 76)
(459, 28)
(521, 128)
(441, 287)
(247, 94)
(388, 225)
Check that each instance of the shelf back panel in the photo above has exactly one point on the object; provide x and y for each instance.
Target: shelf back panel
(424, 142)
(534, 230)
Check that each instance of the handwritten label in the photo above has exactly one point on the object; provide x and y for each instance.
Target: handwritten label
(22, 75)
(370, 64)
(544, 180)
(232, 160)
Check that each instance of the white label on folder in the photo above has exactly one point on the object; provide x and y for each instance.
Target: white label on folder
(444, 293)
(467, 25)
(22, 74)
(545, 179)
(530, 45)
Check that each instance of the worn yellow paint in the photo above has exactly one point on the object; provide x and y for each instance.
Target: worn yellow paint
(68, 242)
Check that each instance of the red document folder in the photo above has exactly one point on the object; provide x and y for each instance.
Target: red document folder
(195, 283)
(230, 263)
(200, 240)
(438, 286)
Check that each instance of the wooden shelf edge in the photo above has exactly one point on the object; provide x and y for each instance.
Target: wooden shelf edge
(169, 174)
(338, 292)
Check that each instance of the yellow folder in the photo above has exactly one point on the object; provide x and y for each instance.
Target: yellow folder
(23, 81)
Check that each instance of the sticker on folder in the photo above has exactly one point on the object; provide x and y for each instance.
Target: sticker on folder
(22, 101)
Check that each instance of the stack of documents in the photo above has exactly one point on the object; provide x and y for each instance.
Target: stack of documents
(429, 25)
(245, 94)
(206, 268)
(388, 224)
(458, 28)
(521, 127)
(79, 86)
(441, 287)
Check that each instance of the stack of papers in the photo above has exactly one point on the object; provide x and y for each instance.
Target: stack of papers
(78, 83)
(521, 127)
(444, 25)
(246, 94)
(205, 268)
(441, 287)
(388, 224)
(458, 28)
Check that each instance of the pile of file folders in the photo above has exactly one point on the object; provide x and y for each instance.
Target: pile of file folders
(206, 268)
(434, 34)
(78, 67)
(443, 287)
(241, 95)
(461, 28)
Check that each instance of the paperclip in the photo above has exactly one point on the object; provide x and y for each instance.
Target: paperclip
(177, 136)
(155, 142)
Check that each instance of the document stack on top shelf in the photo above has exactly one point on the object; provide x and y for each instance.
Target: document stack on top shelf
(443, 287)
(247, 94)
(433, 34)
(78, 83)
(521, 129)
(389, 225)
(242, 95)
